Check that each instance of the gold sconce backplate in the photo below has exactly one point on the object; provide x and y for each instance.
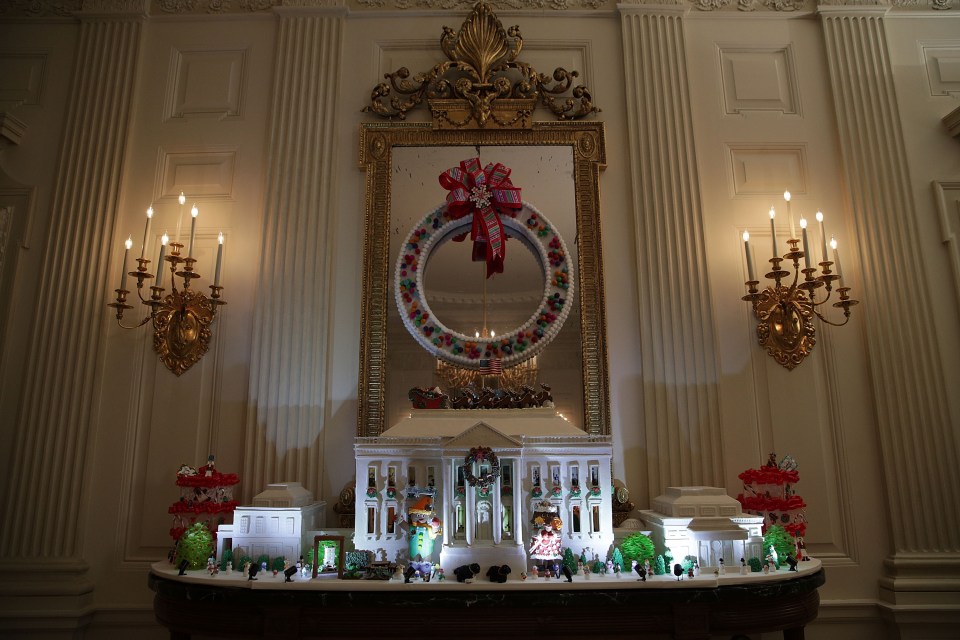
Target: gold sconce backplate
(785, 328)
(181, 332)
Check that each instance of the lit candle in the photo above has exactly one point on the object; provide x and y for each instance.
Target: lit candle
(836, 260)
(216, 273)
(793, 230)
(823, 236)
(773, 231)
(194, 212)
(182, 200)
(746, 248)
(123, 270)
(806, 247)
(146, 232)
(164, 239)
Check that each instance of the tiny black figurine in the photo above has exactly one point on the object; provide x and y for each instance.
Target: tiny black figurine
(466, 572)
(678, 570)
(498, 573)
(183, 566)
(641, 571)
(288, 573)
(254, 568)
(792, 562)
(567, 573)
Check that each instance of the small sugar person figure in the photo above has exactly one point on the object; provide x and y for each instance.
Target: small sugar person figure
(722, 568)
(744, 569)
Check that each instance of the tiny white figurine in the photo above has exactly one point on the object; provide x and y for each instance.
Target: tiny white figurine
(229, 567)
(744, 569)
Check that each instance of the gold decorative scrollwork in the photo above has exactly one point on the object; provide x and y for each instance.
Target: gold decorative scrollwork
(482, 83)
(182, 329)
(785, 328)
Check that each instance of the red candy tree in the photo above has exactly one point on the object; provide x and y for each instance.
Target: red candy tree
(768, 492)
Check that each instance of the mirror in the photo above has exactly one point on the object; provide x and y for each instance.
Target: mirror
(556, 166)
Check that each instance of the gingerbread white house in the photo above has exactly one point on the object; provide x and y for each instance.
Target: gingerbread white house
(278, 523)
(706, 523)
(488, 473)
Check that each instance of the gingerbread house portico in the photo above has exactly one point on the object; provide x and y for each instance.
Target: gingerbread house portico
(488, 477)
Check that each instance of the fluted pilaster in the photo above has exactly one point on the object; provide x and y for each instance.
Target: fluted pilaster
(917, 438)
(291, 326)
(43, 514)
(680, 369)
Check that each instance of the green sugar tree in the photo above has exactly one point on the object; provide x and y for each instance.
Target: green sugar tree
(639, 547)
(659, 566)
(617, 559)
(195, 546)
(570, 560)
(225, 559)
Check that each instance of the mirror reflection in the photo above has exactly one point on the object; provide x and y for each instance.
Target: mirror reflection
(464, 299)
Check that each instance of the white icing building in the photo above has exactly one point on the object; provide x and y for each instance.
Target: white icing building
(542, 457)
(704, 522)
(279, 523)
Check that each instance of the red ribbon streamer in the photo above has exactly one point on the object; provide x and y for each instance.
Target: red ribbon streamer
(487, 194)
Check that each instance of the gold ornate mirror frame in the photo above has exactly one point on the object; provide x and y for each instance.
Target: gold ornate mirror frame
(377, 142)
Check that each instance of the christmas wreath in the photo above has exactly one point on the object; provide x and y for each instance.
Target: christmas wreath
(512, 347)
(481, 455)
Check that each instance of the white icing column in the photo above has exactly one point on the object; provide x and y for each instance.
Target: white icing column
(283, 435)
(43, 512)
(680, 368)
(449, 523)
(916, 435)
(496, 517)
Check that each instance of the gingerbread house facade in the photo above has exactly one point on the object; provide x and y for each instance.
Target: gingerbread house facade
(488, 473)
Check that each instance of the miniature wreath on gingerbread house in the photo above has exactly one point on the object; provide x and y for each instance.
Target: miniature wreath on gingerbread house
(481, 455)
(519, 220)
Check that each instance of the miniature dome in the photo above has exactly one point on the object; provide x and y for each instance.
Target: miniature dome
(631, 524)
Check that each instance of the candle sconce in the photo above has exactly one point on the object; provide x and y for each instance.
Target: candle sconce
(784, 313)
(182, 318)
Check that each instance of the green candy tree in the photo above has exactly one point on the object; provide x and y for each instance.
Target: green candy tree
(195, 546)
(777, 537)
(639, 547)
